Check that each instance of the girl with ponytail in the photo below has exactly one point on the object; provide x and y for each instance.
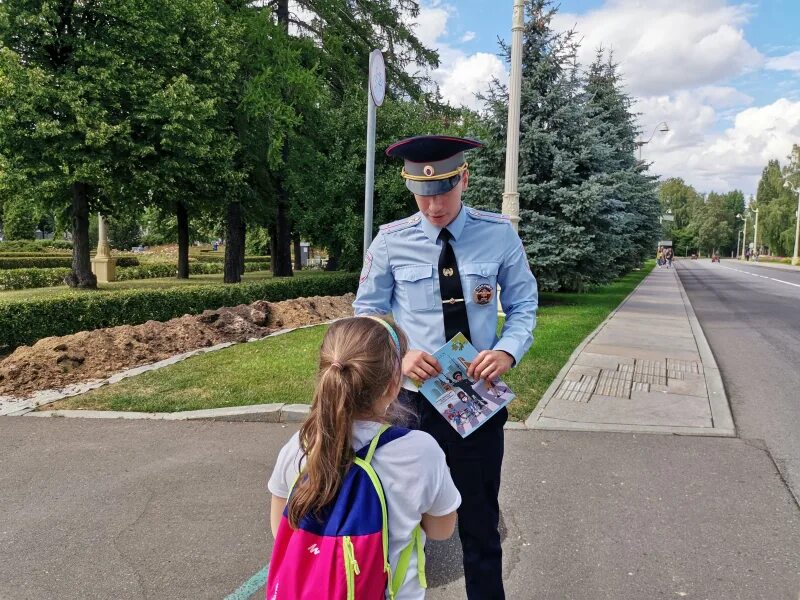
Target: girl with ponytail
(358, 380)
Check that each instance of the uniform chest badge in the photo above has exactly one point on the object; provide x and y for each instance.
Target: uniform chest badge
(483, 294)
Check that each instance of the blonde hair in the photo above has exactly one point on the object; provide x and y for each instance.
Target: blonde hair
(359, 361)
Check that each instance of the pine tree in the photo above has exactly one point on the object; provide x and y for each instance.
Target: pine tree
(588, 210)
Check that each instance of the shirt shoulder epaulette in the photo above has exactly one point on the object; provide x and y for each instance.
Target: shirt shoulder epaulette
(484, 215)
(401, 224)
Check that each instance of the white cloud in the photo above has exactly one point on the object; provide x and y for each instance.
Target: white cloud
(787, 62)
(732, 158)
(723, 96)
(460, 76)
(469, 75)
(666, 45)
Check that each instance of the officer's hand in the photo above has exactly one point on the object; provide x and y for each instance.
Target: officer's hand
(490, 364)
(420, 365)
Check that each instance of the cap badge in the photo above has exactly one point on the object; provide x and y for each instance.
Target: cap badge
(483, 294)
(429, 171)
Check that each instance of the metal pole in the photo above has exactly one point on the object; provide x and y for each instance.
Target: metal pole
(511, 195)
(795, 258)
(368, 190)
(738, 239)
(755, 236)
(744, 239)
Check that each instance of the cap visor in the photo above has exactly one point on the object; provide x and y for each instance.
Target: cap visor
(432, 188)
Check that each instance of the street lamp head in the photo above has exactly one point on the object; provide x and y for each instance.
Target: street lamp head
(664, 128)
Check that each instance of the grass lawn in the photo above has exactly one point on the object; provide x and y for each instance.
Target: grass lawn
(140, 284)
(281, 369)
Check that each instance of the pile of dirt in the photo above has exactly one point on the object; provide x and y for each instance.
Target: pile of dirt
(56, 362)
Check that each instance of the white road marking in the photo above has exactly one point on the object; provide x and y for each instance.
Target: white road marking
(797, 285)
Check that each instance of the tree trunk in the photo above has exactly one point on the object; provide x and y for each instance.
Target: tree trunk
(298, 252)
(233, 242)
(81, 275)
(183, 240)
(281, 256)
(242, 240)
(333, 259)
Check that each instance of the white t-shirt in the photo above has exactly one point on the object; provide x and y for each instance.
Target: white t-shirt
(415, 480)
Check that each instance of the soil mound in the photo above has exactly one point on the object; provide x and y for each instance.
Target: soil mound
(55, 362)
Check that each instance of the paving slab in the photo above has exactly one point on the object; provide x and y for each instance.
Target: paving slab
(646, 368)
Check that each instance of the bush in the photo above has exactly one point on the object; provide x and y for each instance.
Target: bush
(51, 261)
(29, 278)
(23, 279)
(26, 321)
(221, 258)
(35, 262)
(37, 247)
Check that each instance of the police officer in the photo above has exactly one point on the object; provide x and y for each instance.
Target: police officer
(438, 273)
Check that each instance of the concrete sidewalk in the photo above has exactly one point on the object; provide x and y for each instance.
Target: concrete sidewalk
(647, 368)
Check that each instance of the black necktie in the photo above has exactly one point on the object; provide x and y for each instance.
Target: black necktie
(454, 305)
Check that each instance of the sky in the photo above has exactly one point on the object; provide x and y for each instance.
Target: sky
(723, 75)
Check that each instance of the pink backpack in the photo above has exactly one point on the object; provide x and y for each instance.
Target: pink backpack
(343, 553)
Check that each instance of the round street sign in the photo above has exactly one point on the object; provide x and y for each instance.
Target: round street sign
(377, 77)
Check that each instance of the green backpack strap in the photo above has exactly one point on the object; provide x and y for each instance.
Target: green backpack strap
(404, 560)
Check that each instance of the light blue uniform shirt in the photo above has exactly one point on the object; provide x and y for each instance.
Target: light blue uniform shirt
(400, 276)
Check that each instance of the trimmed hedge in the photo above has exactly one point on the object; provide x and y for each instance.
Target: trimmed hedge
(50, 262)
(57, 253)
(26, 321)
(221, 258)
(164, 269)
(39, 246)
(24, 279)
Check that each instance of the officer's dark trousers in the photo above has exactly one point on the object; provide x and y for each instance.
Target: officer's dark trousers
(474, 463)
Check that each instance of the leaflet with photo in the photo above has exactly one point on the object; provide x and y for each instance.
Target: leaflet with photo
(463, 402)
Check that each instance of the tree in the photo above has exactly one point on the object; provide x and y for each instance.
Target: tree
(19, 219)
(588, 209)
(93, 113)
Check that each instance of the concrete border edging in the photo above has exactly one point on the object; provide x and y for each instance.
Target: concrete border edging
(45, 397)
(721, 416)
(263, 413)
(532, 419)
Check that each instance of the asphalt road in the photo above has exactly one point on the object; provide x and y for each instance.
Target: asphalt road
(751, 317)
(99, 510)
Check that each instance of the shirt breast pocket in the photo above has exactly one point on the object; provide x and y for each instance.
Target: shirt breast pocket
(414, 285)
(481, 278)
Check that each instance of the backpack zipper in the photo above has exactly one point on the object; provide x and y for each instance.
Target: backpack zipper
(350, 567)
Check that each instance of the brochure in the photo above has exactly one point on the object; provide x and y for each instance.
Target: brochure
(465, 403)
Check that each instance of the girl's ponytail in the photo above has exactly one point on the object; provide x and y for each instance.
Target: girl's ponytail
(359, 360)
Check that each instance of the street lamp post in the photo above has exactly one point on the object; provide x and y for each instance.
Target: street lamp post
(738, 239)
(755, 235)
(511, 195)
(795, 258)
(661, 127)
(744, 236)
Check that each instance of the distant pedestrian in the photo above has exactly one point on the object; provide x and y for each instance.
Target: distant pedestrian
(660, 257)
(668, 257)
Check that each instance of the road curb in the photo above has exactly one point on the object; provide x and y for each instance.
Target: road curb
(261, 413)
(721, 416)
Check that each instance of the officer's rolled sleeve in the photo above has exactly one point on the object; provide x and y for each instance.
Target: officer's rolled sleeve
(519, 297)
(376, 284)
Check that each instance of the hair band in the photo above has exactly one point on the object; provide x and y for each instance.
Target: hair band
(337, 364)
(391, 331)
